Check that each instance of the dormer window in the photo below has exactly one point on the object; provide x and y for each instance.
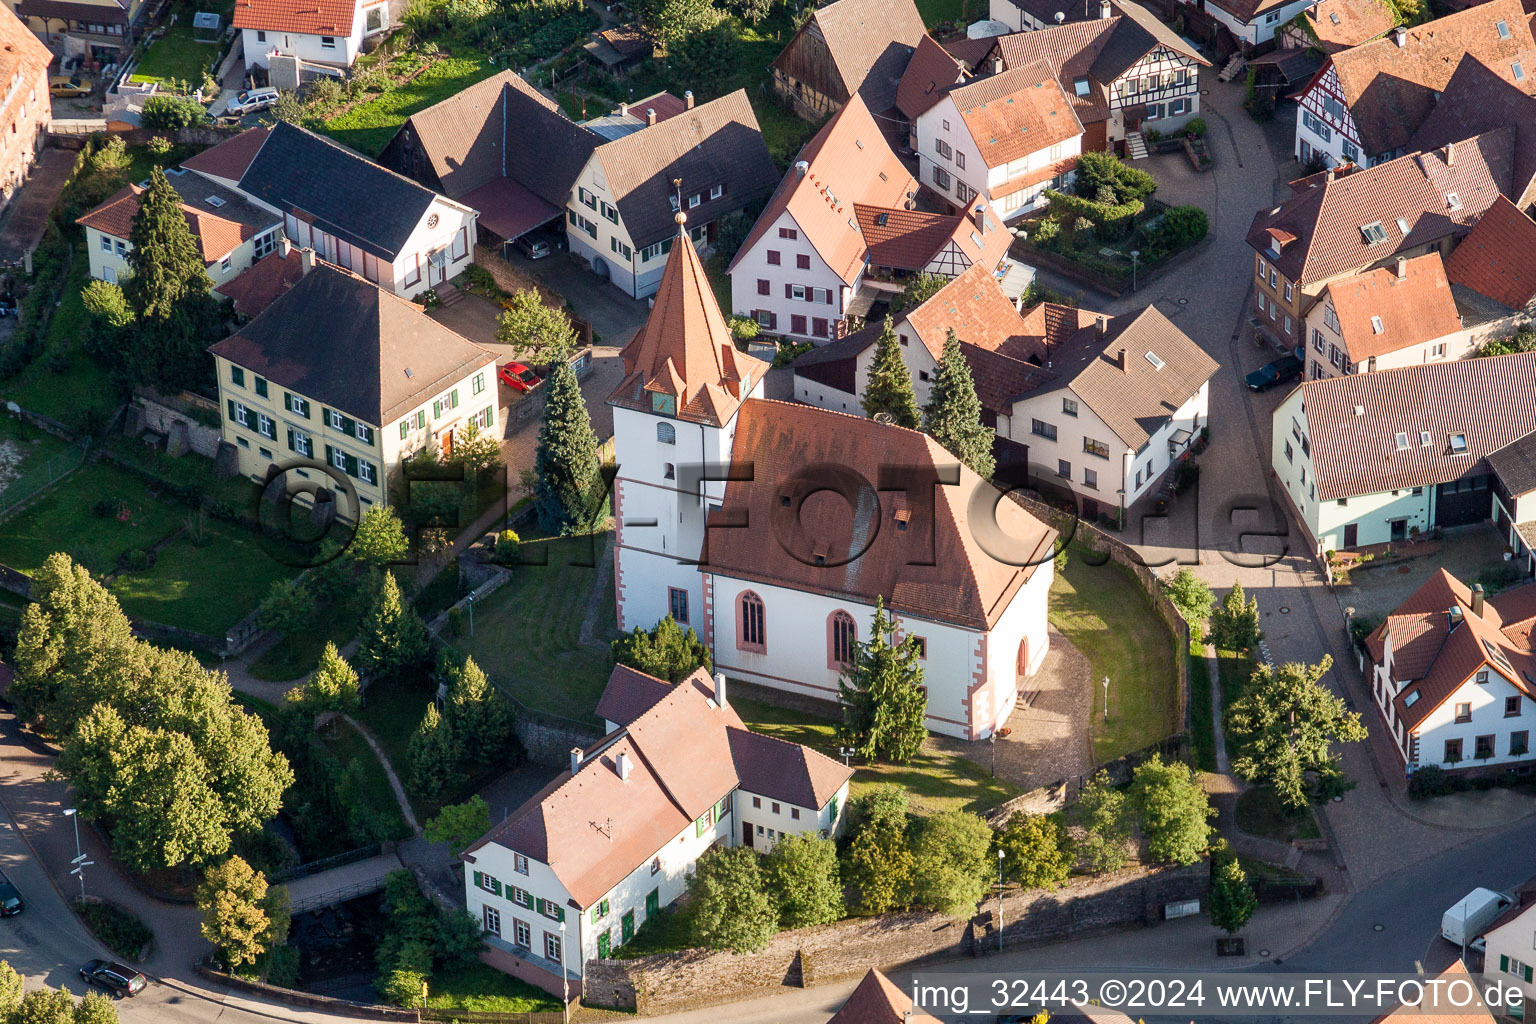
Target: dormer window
(1453, 201)
(1376, 327)
(1373, 233)
(1402, 442)
(1274, 246)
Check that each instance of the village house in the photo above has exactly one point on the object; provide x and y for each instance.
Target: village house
(1339, 223)
(1005, 138)
(1400, 315)
(232, 232)
(572, 874)
(407, 238)
(1495, 259)
(1251, 25)
(1514, 499)
(1478, 102)
(1451, 676)
(877, 1000)
(1509, 943)
(688, 390)
(930, 73)
(26, 109)
(848, 48)
(1124, 72)
(840, 233)
(1333, 25)
(1373, 458)
(323, 32)
(388, 381)
(1365, 103)
(99, 31)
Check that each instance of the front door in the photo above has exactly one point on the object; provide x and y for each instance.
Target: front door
(437, 268)
(447, 440)
(1351, 535)
(1399, 529)
(653, 902)
(627, 926)
(746, 833)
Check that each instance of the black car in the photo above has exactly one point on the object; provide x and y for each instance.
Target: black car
(114, 977)
(1284, 369)
(10, 900)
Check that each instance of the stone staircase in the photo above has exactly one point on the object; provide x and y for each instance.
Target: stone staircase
(447, 294)
(1234, 67)
(1136, 146)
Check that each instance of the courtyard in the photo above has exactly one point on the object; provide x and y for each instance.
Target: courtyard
(1472, 554)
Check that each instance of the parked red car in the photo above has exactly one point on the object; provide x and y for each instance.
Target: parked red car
(519, 378)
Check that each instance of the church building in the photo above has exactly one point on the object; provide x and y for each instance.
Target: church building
(772, 528)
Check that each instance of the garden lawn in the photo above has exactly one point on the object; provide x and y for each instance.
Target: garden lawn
(177, 56)
(935, 11)
(86, 385)
(1259, 813)
(372, 123)
(526, 635)
(206, 589)
(1103, 610)
(378, 798)
(936, 780)
(295, 657)
(61, 520)
(487, 990)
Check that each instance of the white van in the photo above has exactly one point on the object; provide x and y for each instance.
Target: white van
(252, 100)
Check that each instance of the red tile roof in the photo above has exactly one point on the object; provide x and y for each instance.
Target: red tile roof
(868, 42)
(1340, 24)
(253, 290)
(909, 239)
(1498, 258)
(1391, 89)
(685, 350)
(877, 1000)
(592, 827)
(929, 73)
(1357, 453)
(23, 54)
(848, 161)
(230, 158)
(1393, 308)
(1021, 111)
(1476, 101)
(952, 579)
(629, 694)
(974, 306)
(1427, 1012)
(216, 236)
(310, 17)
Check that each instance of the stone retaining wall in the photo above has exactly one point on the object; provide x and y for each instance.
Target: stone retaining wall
(811, 956)
(178, 427)
(325, 1004)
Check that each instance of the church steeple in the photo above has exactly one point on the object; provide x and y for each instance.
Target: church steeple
(684, 362)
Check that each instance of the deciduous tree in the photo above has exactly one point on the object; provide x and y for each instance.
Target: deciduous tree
(952, 861)
(95, 1008)
(1102, 813)
(801, 875)
(881, 692)
(458, 825)
(1174, 810)
(1232, 898)
(380, 538)
(889, 390)
(476, 450)
(538, 333)
(953, 415)
(287, 608)
(1235, 621)
(666, 650)
(920, 288)
(567, 492)
(45, 1006)
(11, 984)
(879, 862)
(236, 902)
(728, 905)
(1036, 852)
(1284, 726)
(1193, 599)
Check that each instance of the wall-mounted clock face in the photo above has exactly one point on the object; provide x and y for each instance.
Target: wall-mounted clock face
(664, 404)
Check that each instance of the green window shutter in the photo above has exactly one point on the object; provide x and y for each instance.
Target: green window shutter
(559, 913)
(232, 410)
(290, 441)
(1527, 974)
(595, 914)
(605, 914)
(538, 904)
(405, 428)
(330, 455)
(478, 877)
(453, 399)
(1503, 964)
(351, 464)
(348, 424)
(496, 886)
(421, 418)
(437, 408)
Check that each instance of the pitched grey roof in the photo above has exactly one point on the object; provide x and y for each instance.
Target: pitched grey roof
(715, 143)
(348, 344)
(1515, 464)
(343, 192)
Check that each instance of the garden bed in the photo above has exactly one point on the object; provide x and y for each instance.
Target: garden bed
(118, 930)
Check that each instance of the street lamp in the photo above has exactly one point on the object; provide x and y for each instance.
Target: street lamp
(80, 863)
(565, 983)
(471, 602)
(1135, 255)
(1106, 700)
(1000, 855)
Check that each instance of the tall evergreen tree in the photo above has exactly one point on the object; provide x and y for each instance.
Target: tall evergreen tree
(1232, 898)
(393, 643)
(566, 464)
(881, 693)
(431, 754)
(889, 389)
(480, 717)
(953, 415)
(169, 291)
(1235, 621)
(332, 687)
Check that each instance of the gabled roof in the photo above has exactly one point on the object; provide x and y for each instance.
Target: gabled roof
(936, 570)
(629, 694)
(1391, 89)
(1430, 1011)
(1022, 110)
(309, 17)
(1498, 257)
(22, 53)
(1392, 308)
(781, 770)
(685, 349)
(909, 239)
(1322, 229)
(1476, 101)
(715, 143)
(382, 355)
(313, 178)
(220, 218)
(1339, 24)
(975, 306)
(876, 1000)
(847, 162)
(593, 827)
(1133, 371)
(1248, 11)
(259, 285)
(1515, 464)
(930, 72)
(230, 158)
(869, 41)
(1355, 454)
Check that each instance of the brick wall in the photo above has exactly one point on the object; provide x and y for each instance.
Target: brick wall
(687, 980)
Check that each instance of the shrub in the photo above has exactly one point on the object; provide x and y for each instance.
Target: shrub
(1183, 226)
(508, 544)
(171, 113)
(135, 560)
(1427, 781)
(1096, 170)
(120, 931)
(1195, 126)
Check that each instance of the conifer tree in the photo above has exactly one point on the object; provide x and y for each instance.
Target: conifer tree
(953, 415)
(168, 289)
(882, 697)
(889, 389)
(393, 642)
(566, 463)
(432, 755)
(480, 717)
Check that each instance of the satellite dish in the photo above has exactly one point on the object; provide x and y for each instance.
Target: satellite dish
(1061, 16)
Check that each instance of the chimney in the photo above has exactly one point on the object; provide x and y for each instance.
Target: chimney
(1328, 175)
(307, 258)
(688, 99)
(720, 689)
(979, 216)
(801, 167)
(995, 65)
(1103, 323)
(1400, 37)
(575, 759)
(1477, 599)
(1453, 616)
(622, 766)
(623, 109)
(650, 116)
(284, 247)
(1402, 267)
(1105, 11)
(1120, 359)
(1450, 154)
